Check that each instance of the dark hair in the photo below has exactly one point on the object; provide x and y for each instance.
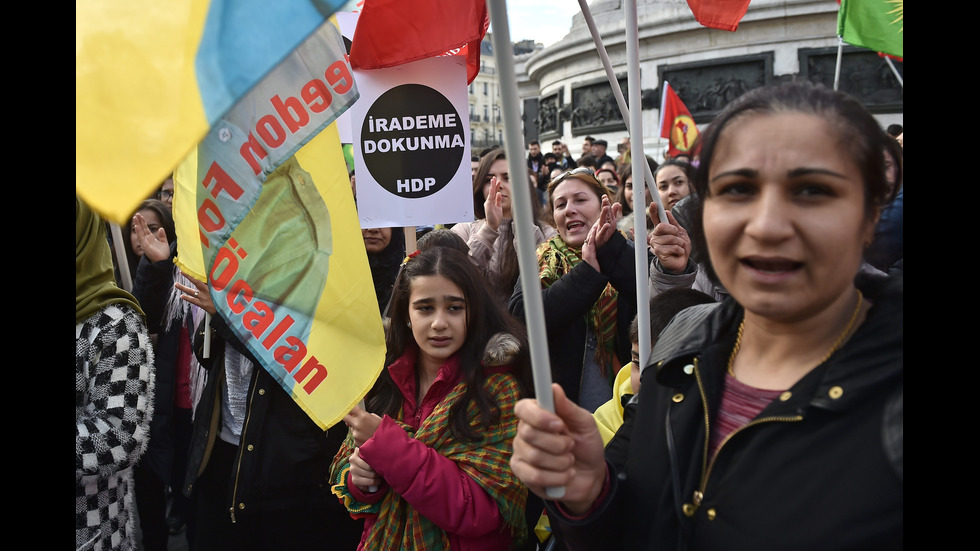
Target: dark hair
(664, 306)
(166, 221)
(550, 155)
(482, 175)
(533, 142)
(682, 164)
(859, 135)
(163, 211)
(443, 237)
(627, 173)
(894, 130)
(621, 197)
(556, 142)
(484, 319)
(615, 177)
(509, 267)
(897, 153)
(688, 169)
(385, 265)
(627, 168)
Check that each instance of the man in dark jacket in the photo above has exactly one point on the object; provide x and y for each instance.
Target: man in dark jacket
(599, 152)
(535, 159)
(268, 487)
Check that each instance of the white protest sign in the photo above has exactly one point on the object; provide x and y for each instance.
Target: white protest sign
(411, 141)
(346, 22)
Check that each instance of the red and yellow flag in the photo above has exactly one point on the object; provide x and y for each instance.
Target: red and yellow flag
(676, 124)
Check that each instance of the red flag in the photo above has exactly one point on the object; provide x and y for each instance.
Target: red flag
(393, 32)
(676, 124)
(719, 14)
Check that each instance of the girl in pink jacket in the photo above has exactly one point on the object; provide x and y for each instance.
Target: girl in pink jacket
(427, 465)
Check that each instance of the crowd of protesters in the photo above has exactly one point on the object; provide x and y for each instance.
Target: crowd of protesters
(766, 387)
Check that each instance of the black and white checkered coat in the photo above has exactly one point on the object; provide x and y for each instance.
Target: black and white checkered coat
(114, 382)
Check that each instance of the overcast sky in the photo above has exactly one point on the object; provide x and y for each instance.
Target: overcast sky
(544, 21)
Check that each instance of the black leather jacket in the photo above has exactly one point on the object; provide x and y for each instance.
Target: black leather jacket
(819, 468)
(568, 301)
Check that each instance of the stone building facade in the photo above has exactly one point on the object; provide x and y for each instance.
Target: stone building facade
(565, 93)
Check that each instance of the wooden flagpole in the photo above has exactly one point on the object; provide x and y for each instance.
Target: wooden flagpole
(411, 245)
(122, 261)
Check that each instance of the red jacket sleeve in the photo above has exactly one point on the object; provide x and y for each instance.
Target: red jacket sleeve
(430, 482)
(365, 497)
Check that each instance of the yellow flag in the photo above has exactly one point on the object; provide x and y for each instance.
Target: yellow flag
(151, 77)
(265, 214)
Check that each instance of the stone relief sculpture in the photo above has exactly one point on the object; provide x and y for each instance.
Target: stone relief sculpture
(707, 87)
(864, 74)
(548, 115)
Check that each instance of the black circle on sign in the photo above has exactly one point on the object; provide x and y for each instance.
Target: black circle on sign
(416, 162)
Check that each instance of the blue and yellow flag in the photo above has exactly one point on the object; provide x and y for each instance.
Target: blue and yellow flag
(265, 214)
(151, 78)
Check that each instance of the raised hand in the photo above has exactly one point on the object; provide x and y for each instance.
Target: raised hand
(156, 247)
(669, 241)
(491, 206)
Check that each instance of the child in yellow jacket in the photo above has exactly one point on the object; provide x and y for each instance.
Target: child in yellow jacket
(663, 307)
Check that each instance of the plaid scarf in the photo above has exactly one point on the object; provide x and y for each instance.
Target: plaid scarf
(398, 524)
(555, 259)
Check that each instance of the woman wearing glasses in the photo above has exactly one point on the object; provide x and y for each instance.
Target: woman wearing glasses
(166, 193)
(588, 282)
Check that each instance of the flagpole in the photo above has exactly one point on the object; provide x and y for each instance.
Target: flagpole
(122, 261)
(891, 66)
(206, 350)
(633, 117)
(521, 204)
(620, 100)
(641, 168)
(840, 55)
(410, 242)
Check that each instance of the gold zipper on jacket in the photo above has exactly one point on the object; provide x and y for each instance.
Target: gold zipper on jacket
(241, 444)
(698, 497)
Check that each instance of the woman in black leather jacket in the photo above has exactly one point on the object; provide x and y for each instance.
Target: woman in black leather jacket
(772, 420)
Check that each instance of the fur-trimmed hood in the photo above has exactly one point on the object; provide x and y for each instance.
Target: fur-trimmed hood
(502, 349)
